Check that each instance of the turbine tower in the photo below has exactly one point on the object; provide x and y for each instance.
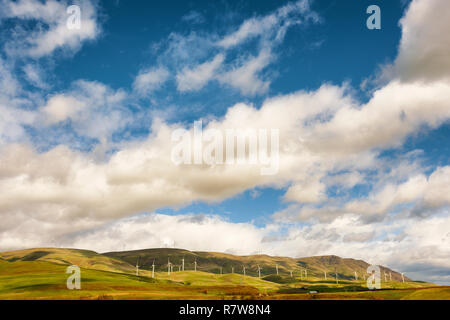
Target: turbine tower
(403, 278)
(153, 268)
(168, 266)
(276, 266)
(195, 264)
(182, 264)
(137, 267)
(244, 270)
(356, 276)
(325, 273)
(291, 273)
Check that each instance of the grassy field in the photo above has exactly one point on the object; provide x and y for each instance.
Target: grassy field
(41, 274)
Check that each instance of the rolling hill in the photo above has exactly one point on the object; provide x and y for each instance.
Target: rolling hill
(82, 258)
(41, 274)
(214, 261)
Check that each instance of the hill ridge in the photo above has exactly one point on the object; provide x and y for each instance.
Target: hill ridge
(214, 262)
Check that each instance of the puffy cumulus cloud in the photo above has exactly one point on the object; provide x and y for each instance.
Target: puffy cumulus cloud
(421, 195)
(424, 193)
(61, 107)
(196, 78)
(150, 79)
(198, 232)
(61, 185)
(408, 106)
(142, 177)
(93, 109)
(423, 53)
(50, 32)
(310, 191)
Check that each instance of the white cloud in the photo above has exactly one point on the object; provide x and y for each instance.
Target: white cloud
(94, 109)
(272, 26)
(193, 17)
(196, 78)
(34, 75)
(423, 52)
(150, 80)
(245, 77)
(13, 117)
(310, 191)
(51, 32)
(188, 53)
(61, 107)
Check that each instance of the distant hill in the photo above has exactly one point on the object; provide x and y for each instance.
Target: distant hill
(83, 258)
(212, 262)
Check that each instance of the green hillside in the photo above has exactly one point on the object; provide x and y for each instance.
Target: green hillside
(41, 274)
(82, 258)
(214, 262)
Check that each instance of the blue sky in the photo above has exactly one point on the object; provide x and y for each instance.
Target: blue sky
(88, 114)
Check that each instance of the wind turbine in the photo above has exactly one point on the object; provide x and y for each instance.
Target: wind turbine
(291, 273)
(356, 276)
(168, 266)
(325, 273)
(153, 268)
(403, 278)
(137, 267)
(244, 270)
(276, 266)
(182, 263)
(195, 264)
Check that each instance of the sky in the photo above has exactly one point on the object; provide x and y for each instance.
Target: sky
(90, 105)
